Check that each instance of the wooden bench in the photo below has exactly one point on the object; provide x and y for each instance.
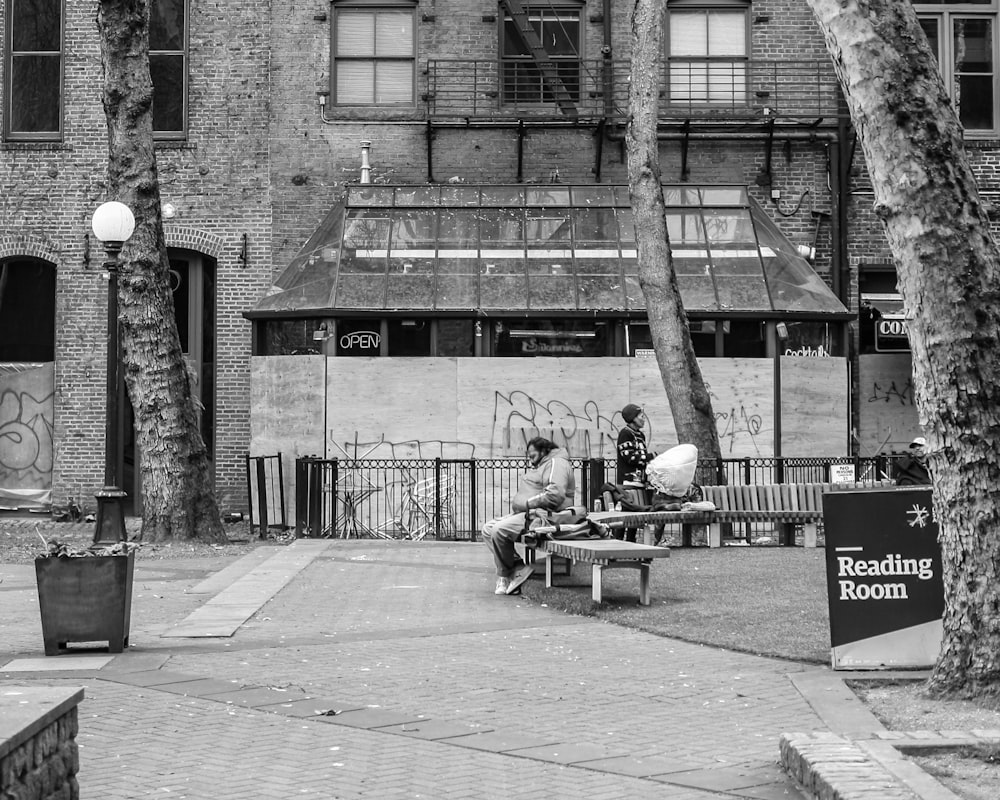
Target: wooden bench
(785, 504)
(602, 554)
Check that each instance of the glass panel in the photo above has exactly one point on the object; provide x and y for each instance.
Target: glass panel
(601, 292)
(409, 337)
(410, 291)
(551, 292)
(393, 82)
(549, 243)
(727, 34)
(35, 86)
(502, 196)
(455, 338)
(634, 298)
(681, 196)
(931, 27)
(741, 293)
(502, 235)
(414, 230)
(597, 262)
(289, 337)
(358, 337)
(504, 291)
(973, 43)
(394, 33)
(693, 265)
(685, 229)
(317, 294)
(593, 196)
(417, 195)
(513, 44)
(973, 89)
(697, 292)
(726, 82)
(724, 196)
(457, 291)
(595, 225)
(27, 314)
(724, 226)
(547, 197)
(355, 83)
(36, 26)
(167, 72)
(458, 242)
(366, 242)
(542, 337)
(560, 33)
(459, 196)
(369, 196)
(626, 226)
(166, 25)
(360, 291)
(688, 33)
(355, 35)
(974, 95)
(736, 262)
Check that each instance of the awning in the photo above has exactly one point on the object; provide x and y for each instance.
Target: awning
(522, 249)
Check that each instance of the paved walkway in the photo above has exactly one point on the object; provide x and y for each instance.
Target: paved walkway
(386, 670)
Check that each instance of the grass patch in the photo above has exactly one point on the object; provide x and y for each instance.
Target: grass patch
(766, 601)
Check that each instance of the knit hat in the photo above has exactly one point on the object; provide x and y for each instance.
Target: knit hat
(630, 412)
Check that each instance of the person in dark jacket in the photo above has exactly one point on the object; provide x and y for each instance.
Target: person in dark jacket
(550, 485)
(633, 454)
(911, 469)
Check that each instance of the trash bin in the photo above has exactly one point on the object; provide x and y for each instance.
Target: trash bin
(85, 599)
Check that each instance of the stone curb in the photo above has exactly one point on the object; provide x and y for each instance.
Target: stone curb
(859, 759)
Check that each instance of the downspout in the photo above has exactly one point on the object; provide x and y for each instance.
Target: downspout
(429, 134)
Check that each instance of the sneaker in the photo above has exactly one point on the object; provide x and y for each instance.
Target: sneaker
(520, 577)
(502, 585)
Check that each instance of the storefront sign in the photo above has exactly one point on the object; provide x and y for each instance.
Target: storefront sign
(360, 340)
(891, 335)
(883, 567)
(536, 347)
(645, 352)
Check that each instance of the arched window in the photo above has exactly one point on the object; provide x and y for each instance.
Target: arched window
(27, 310)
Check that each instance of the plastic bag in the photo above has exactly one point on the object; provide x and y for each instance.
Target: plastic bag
(672, 472)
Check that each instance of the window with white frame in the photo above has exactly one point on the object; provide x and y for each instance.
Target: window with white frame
(168, 50)
(525, 80)
(373, 55)
(33, 69)
(963, 37)
(707, 48)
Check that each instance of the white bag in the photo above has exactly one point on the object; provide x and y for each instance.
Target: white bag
(672, 472)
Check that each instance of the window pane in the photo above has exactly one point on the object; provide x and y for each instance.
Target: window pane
(355, 82)
(726, 82)
(166, 25)
(357, 337)
(727, 33)
(394, 33)
(355, 33)
(973, 43)
(931, 26)
(595, 225)
(35, 25)
(167, 73)
(455, 337)
(393, 82)
(560, 35)
(512, 44)
(688, 33)
(974, 96)
(27, 311)
(409, 337)
(35, 89)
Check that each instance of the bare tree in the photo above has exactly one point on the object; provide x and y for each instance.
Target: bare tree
(690, 403)
(178, 498)
(949, 276)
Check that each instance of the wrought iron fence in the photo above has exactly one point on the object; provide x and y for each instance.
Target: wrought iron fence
(452, 498)
(266, 493)
(598, 88)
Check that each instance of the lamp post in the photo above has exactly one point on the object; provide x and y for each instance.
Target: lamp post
(113, 224)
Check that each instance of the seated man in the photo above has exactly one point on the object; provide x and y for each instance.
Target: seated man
(549, 485)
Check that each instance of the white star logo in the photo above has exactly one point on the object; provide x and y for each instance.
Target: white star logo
(920, 516)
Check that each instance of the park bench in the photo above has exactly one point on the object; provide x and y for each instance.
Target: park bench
(787, 505)
(601, 554)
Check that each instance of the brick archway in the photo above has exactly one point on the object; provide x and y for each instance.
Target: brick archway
(195, 239)
(15, 245)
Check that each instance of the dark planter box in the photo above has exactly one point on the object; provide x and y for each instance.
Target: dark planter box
(86, 599)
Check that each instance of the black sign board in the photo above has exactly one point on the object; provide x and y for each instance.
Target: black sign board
(883, 571)
(891, 335)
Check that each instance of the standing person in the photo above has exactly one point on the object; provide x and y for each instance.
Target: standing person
(633, 454)
(911, 469)
(549, 484)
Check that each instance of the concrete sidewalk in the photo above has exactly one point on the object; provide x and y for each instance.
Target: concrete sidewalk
(369, 669)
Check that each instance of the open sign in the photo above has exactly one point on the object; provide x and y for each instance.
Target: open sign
(891, 335)
(362, 340)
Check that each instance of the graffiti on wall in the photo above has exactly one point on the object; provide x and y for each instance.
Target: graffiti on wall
(26, 425)
(518, 417)
(383, 448)
(891, 393)
(737, 426)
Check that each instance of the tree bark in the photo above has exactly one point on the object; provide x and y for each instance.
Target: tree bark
(690, 403)
(949, 276)
(178, 497)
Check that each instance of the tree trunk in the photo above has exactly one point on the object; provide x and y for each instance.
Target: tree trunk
(178, 498)
(949, 277)
(690, 403)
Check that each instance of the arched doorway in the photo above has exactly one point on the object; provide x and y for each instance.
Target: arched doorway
(27, 382)
(192, 280)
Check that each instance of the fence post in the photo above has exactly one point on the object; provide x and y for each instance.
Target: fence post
(437, 498)
(262, 516)
(594, 480)
(473, 499)
(281, 492)
(301, 495)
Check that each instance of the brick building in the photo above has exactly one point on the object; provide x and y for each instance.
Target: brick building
(260, 113)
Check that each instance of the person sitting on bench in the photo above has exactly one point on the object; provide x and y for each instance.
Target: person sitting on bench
(549, 485)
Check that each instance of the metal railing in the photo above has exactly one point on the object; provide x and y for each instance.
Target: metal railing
(598, 88)
(452, 498)
(266, 493)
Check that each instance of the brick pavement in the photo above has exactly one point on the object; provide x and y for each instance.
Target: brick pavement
(443, 691)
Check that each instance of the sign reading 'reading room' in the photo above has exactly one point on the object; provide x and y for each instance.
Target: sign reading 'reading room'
(883, 568)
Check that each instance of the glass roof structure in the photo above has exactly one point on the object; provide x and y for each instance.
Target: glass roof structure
(522, 248)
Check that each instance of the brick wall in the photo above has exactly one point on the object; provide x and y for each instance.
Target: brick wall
(39, 759)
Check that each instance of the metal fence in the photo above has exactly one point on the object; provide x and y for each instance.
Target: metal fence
(266, 493)
(452, 498)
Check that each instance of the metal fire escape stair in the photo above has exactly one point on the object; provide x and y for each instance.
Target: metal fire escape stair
(540, 55)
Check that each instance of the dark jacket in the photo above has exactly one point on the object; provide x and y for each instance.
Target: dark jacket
(909, 471)
(633, 455)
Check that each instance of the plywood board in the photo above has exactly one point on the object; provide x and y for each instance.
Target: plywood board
(286, 398)
(887, 411)
(814, 406)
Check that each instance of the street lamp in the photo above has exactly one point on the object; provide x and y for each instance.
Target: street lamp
(113, 224)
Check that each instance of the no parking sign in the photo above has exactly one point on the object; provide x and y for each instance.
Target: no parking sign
(883, 570)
